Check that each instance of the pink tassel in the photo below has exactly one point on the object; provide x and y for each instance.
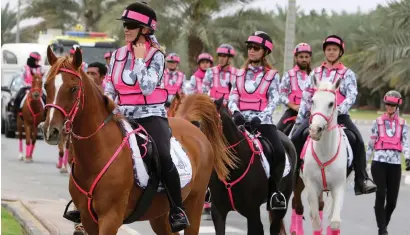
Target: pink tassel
(20, 146)
(293, 225)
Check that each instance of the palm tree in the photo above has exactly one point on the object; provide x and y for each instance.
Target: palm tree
(290, 34)
(8, 22)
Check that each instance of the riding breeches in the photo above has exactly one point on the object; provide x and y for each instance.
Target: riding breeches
(387, 178)
(285, 122)
(278, 160)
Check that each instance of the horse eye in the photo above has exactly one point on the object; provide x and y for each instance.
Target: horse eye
(74, 89)
(331, 104)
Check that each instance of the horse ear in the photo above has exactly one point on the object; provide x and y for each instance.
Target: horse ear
(337, 84)
(218, 103)
(177, 96)
(51, 57)
(77, 58)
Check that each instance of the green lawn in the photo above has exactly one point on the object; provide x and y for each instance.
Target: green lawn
(9, 226)
(369, 115)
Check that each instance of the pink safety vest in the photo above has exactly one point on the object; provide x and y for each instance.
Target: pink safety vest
(256, 101)
(28, 79)
(340, 73)
(199, 77)
(217, 90)
(173, 89)
(296, 93)
(386, 142)
(132, 94)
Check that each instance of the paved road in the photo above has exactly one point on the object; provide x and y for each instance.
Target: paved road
(41, 180)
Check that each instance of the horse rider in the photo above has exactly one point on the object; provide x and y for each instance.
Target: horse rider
(253, 98)
(173, 77)
(133, 83)
(388, 141)
(332, 70)
(217, 79)
(22, 83)
(291, 86)
(84, 65)
(194, 85)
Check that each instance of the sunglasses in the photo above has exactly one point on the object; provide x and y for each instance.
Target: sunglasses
(131, 25)
(254, 47)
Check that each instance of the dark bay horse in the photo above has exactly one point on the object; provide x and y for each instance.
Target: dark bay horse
(30, 116)
(248, 183)
(103, 160)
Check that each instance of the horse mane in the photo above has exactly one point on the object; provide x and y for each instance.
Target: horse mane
(66, 62)
(199, 107)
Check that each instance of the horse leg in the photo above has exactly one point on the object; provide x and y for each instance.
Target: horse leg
(65, 155)
(27, 130)
(276, 222)
(33, 139)
(321, 206)
(20, 131)
(313, 199)
(255, 226)
(219, 219)
(296, 227)
(338, 197)
(60, 154)
(110, 222)
(161, 225)
(90, 227)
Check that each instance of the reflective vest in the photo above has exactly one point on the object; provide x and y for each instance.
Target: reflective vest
(217, 90)
(199, 77)
(296, 93)
(28, 79)
(256, 101)
(173, 89)
(340, 73)
(386, 142)
(131, 94)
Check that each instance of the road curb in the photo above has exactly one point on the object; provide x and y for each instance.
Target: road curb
(24, 218)
(45, 222)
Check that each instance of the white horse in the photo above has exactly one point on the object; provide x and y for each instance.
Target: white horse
(326, 154)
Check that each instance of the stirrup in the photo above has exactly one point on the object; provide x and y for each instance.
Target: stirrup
(178, 227)
(208, 195)
(271, 202)
(73, 216)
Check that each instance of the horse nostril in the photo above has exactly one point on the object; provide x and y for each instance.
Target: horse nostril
(319, 129)
(55, 132)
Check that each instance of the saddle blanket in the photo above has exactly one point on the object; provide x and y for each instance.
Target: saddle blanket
(178, 155)
(264, 161)
(24, 100)
(348, 148)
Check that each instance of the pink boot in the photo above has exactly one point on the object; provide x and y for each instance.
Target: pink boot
(318, 232)
(65, 158)
(293, 225)
(32, 150)
(332, 232)
(321, 218)
(28, 149)
(60, 162)
(299, 225)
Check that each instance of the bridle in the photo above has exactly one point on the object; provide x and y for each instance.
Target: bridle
(329, 118)
(69, 116)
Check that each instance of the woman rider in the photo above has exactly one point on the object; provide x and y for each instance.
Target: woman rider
(23, 82)
(253, 98)
(389, 139)
(173, 77)
(291, 86)
(332, 70)
(217, 79)
(194, 85)
(133, 82)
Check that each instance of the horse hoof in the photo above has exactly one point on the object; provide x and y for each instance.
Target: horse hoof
(21, 157)
(29, 160)
(63, 170)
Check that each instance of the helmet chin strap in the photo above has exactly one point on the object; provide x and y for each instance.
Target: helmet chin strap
(138, 36)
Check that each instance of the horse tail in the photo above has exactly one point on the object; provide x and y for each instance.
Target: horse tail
(200, 109)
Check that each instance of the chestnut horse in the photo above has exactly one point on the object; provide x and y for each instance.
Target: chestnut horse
(30, 116)
(103, 159)
(176, 101)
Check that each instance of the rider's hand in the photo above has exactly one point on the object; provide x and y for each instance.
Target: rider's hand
(255, 122)
(139, 50)
(238, 118)
(407, 164)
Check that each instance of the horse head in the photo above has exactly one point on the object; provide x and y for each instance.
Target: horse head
(324, 108)
(66, 86)
(175, 103)
(36, 87)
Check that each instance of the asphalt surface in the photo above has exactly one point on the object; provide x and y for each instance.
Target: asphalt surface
(41, 180)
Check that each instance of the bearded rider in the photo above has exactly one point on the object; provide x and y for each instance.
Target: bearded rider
(292, 84)
(332, 70)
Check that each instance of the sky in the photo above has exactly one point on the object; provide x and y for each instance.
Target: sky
(305, 5)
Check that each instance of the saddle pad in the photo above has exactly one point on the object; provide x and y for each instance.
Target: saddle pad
(348, 148)
(264, 161)
(24, 100)
(178, 155)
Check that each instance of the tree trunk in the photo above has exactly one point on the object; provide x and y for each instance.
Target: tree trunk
(195, 47)
(290, 35)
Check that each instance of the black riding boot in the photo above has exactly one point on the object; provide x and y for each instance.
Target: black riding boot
(276, 199)
(177, 217)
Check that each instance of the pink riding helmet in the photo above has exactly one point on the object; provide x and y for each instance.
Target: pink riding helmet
(302, 47)
(226, 49)
(173, 57)
(263, 39)
(204, 56)
(335, 40)
(35, 55)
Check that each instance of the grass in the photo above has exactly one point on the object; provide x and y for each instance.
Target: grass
(369, 115)
(9, 225)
